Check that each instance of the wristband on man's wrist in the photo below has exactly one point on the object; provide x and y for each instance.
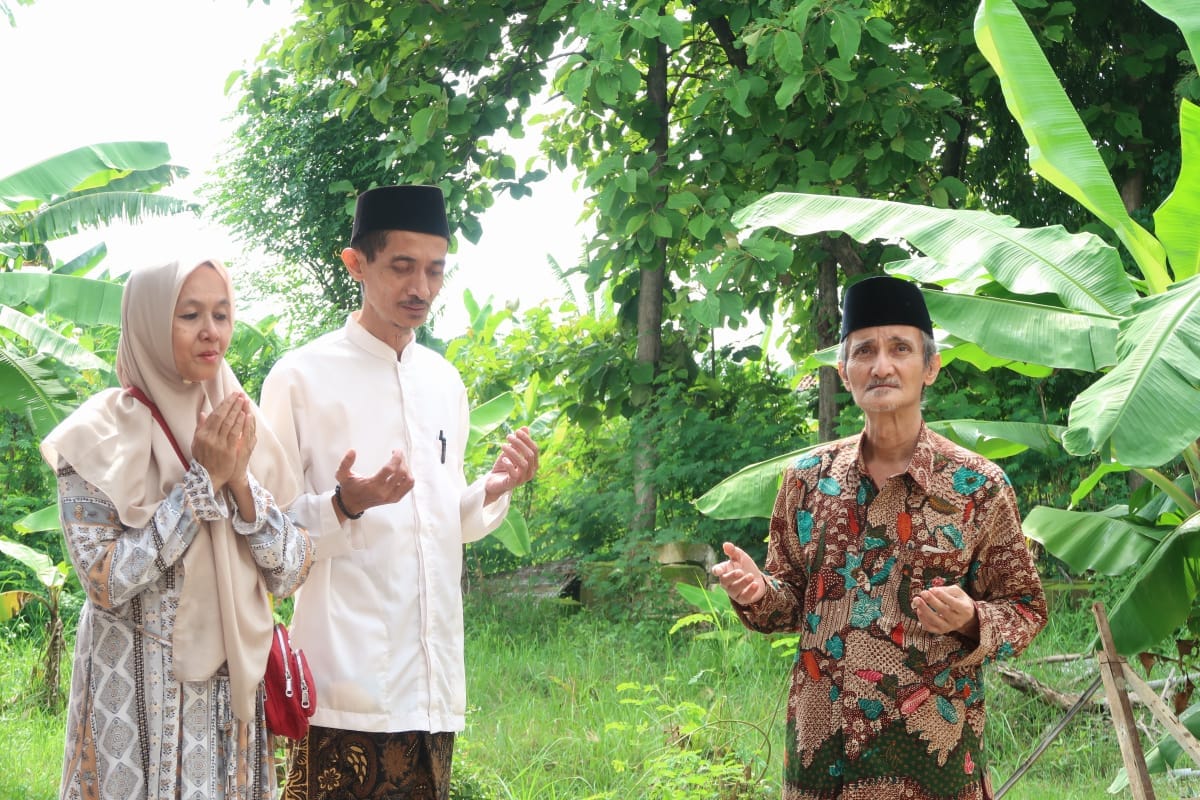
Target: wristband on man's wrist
(341, 504)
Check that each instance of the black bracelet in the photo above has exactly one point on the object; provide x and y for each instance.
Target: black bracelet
(337, 498)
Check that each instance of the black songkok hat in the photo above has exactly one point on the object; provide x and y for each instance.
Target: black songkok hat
(884, 300)
(421, 209)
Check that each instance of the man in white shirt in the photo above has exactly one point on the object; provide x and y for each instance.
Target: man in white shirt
(376, 425)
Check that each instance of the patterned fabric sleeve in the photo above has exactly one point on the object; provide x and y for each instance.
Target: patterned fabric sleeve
(782, 607)
(282, 549)
(1009, 598)
(116, 563)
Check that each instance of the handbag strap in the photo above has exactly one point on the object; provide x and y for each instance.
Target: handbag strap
(141, 397)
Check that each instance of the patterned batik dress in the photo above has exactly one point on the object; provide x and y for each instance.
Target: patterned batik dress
(133, 731)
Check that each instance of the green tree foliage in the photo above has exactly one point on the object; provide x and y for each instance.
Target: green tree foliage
(1042, 298)
(672, 114)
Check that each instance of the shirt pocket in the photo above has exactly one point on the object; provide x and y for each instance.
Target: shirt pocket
(937, 551)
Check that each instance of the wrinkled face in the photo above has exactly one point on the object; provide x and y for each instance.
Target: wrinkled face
(399, 285)
(202, 325)
(885, 368)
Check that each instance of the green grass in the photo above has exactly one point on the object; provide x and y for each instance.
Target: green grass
(572, 704)
(31, 758)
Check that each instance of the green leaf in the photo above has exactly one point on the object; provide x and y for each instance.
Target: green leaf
(83, 300)
(1144, 407)
(1159, 593)
(1060, 148)
(846, 34)
(1028, 332)
(44, 519)
(1175, 220)
(843, 165)
(74, 214)
(1089, 541)
(28, 388)
(47, 574)
(50, 343)
(513, 533)
(706, 310)
(997, 440)
(490, 415)
(421, 122)
(749, 492)
(1080, 268)
(61, 174)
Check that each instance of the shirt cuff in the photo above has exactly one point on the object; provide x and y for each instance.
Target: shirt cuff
(260, 496)
(205, 503)
(336, 538)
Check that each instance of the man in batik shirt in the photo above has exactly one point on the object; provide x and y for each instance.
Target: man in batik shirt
(899, 559)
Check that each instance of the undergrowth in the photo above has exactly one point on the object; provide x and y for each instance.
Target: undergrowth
(572, 703)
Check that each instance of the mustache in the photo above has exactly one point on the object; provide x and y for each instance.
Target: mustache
(877, 384)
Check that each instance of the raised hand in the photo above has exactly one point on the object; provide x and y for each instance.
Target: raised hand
(359, 492)
(245, 449)
(219, 440)
(516, 464)
(740, 577)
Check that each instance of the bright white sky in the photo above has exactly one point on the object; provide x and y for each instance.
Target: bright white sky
(80, 72)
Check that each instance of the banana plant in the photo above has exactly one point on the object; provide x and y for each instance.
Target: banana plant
(1047, 297)
(88, 187)
(52, 578)
(47, 312)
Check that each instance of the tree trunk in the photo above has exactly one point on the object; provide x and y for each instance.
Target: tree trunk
(828, 327)
(650, 311)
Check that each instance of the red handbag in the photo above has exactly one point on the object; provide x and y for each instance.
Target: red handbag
(291, 695)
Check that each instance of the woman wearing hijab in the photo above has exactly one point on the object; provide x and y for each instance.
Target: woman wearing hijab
(170, 494)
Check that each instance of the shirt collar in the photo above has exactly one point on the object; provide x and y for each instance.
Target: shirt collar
(920, 466)
(368, 342)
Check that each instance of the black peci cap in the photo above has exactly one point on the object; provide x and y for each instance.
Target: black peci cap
(884, 300)
(401, 208)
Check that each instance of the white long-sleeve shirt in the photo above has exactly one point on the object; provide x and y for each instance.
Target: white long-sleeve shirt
(380, 615)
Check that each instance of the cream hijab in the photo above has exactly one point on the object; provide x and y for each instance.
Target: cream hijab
(113, 442)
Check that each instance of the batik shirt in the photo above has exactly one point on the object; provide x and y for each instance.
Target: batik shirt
(878, 707)
(134, 732)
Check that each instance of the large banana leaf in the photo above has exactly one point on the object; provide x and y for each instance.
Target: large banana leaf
(28, 388)
(513, 533)
(48, 574)
(1090, 541)
(1175, 220)
(1028, 332)
(44, 519)
(69, 217)
(1165, 573)
(51, 343)
(82, 300)
(974, 355)
(1146, 406)
(751, 491)
(79, 169)
(489, 415)
(1081, 269)
(1060, 148)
